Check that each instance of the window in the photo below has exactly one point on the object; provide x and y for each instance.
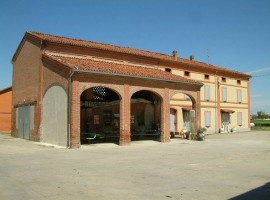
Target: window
(187, 73)
(168, 70)
(239, 96)
(107, 117)
(239, 116)
(207, 118)
(224, 94)
(206, 76)
(140, 118)
(239, 82)
(187, 97)
(207, 92)
(223, 79)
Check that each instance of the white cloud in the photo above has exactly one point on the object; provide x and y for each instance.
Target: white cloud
(255, 95)
(258, 70)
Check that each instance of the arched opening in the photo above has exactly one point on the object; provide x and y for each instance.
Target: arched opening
(99, 115)
(182, 113)
(145, 115)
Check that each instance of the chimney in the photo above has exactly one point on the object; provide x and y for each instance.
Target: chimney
(191, 58)
(175, 55)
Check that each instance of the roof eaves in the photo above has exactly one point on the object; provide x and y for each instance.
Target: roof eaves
(134, 76)
(5, 89)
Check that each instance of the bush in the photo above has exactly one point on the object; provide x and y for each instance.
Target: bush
(201, 130)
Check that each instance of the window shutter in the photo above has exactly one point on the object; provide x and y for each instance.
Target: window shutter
(239, 119)
(207, 92)
(207, 119)
(224, 94)
(239, 96)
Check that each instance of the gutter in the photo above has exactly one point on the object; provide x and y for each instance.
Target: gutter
(132, 76)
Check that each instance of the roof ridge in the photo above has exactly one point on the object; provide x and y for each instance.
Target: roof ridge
(132, 51)
(90, 41)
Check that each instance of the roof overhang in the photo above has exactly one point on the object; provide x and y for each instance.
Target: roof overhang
(133, 76)
(227, 111)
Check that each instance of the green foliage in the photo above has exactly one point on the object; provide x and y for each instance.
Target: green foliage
(201, 130)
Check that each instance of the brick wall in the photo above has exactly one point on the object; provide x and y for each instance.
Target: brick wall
(5, 110)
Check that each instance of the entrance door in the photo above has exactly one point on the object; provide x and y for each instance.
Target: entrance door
(172, 120)
(24, 122)
(225, 119)
(186, 120)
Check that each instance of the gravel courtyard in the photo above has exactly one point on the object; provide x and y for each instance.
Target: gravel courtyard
(224, 166)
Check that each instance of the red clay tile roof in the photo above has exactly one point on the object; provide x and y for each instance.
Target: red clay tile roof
(108, 67)
(128, 50)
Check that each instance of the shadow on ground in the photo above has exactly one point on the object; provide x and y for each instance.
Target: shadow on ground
(262, 193)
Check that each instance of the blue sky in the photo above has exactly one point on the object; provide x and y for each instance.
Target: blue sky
(236, 32)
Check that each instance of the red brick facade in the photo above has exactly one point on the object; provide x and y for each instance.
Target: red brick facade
(49, 62)
(5, 109)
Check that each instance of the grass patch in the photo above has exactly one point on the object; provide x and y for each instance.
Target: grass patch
(261, 124)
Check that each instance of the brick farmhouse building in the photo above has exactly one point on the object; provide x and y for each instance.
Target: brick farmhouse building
(64, 89)
(5, 109)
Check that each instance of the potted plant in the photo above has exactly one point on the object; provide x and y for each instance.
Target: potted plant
(200, 133)
(233, 130)
(187, 133)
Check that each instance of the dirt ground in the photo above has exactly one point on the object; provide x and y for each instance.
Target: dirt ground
(224, 166)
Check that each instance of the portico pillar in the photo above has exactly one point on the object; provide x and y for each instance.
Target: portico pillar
(75, 115)
(125, 118)
(165, 117)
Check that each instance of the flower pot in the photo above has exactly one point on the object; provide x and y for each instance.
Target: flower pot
(233, 130)
(200, 136)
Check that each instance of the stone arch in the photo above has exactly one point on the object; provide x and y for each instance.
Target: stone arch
(54, 115)
(114, 88)
(192, 110)
(155, 91)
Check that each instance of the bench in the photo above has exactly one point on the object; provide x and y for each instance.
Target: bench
(139, 133)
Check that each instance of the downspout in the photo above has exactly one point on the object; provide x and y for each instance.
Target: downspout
(216, 121)
(69, 105)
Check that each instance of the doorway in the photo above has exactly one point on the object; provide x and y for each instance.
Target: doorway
(24, 122)
(225, 120)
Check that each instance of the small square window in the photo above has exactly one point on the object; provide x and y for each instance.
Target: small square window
(223, 79)
(239, 82)
(206, 76)
(168, 70)
(186, 73)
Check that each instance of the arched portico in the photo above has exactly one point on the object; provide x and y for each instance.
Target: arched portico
(187, 104)
(145, 115)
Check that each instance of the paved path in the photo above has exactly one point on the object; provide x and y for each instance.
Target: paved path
(222, 167)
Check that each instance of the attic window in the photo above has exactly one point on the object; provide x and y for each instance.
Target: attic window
(239, 82)
(223, 79)
(206, 76)
(168, 70)
(187, 73)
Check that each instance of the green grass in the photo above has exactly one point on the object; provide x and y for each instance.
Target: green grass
(261, 124)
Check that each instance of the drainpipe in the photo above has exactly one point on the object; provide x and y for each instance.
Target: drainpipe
(216, 103)
(69, 104)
